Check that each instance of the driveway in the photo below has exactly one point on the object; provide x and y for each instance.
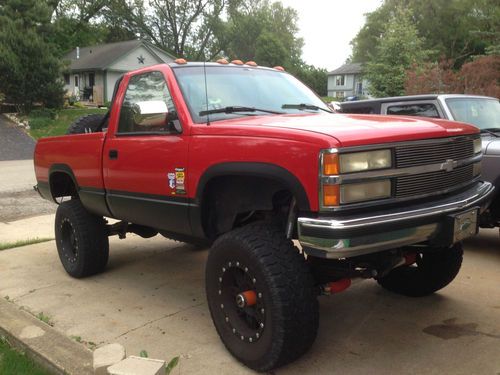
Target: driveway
(152, 298)
(18, 200)
(15, 144)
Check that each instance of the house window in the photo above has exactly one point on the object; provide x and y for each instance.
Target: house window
(76, 81)
(339, 94)
(91, 79)
(66, 79)
(340, 80)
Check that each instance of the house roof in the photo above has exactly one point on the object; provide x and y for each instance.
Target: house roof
(352, 68)
(101, 56)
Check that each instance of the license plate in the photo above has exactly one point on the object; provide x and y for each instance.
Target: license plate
(465, 225)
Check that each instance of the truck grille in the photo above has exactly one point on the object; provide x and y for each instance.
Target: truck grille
(434, 152)
(432, 182)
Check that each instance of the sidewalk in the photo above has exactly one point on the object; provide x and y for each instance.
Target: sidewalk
(27, 229)
(152, 298)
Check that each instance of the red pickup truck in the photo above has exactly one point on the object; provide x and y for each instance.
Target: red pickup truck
(247, 159)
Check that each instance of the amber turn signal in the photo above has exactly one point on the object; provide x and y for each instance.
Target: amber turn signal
(330, 164)
(331, 195)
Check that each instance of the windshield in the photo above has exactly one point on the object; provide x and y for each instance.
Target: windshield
(229, 86)
(481, 112)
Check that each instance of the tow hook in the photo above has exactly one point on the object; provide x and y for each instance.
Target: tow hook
(247, 298)
(335, 287)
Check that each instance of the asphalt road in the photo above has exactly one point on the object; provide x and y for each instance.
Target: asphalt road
(15, 144)
(152, 298)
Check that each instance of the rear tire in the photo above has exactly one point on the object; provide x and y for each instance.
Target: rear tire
(86, 124)
(283, 323)
(81, 239)
(432, 272)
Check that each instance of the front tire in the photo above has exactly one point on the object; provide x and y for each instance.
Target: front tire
(81, 239)
(282, 322)
(431, 272)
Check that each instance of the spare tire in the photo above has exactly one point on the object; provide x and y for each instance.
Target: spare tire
(87, 124)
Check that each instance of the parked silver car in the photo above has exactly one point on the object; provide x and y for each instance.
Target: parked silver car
(480, 111)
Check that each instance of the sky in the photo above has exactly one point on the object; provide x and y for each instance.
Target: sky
(327, 27)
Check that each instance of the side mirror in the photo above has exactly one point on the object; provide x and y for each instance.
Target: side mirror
(150, 113)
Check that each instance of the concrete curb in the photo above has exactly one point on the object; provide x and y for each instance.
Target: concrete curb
(42, 343)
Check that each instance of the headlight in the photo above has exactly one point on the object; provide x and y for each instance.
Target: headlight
(365, 161)
(477, 146)
(351, 193)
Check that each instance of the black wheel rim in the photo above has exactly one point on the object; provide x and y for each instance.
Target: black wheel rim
(69, 241)
(246, 322)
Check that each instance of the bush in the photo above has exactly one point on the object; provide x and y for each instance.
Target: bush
(44, 112)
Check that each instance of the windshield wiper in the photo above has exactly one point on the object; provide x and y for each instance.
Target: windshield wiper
(302, 106)
(237, 109)
(491, 131)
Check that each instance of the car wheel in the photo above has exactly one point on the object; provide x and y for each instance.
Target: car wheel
(432, 271)
(261, 296)
(86, 124)
(81, 239)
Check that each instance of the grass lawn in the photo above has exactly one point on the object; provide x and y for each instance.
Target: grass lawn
(29, 241)
(16, 363)
(45, 126)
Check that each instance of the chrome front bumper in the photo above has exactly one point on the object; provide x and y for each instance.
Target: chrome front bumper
(348, 236)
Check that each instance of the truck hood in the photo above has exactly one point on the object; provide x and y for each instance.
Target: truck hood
(355, 130)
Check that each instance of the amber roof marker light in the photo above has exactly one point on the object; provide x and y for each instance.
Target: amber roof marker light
(251, 63)
(180, 61)
(237, 62)
(222, 61)
(280, 68)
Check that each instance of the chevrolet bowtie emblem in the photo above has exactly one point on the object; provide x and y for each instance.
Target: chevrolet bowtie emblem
(449, 165)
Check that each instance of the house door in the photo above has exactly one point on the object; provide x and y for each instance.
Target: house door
(76, 89)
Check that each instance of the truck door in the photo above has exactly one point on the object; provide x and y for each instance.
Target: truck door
(145, 158)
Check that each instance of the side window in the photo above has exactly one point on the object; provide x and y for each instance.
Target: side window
(145, 104)
(424, 110)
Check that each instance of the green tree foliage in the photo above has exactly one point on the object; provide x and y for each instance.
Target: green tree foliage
(187, 28)
(455, 29)
(29, 67)
(399, 50)
(269, 50)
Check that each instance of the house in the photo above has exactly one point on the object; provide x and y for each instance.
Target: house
(93, 71)
(347, 81)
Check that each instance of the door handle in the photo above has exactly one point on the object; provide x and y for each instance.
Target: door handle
(113, 154)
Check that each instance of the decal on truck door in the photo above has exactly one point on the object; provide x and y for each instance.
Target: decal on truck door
(179, 181)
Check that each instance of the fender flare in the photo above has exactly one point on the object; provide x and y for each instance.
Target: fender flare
(255, 169)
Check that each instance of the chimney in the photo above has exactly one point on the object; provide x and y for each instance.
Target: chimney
(77, 53)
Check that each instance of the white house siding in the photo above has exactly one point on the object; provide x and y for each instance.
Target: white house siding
(111, 78)
(347, 88)
(130, 61)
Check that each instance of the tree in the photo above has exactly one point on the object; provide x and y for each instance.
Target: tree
(455, 29)
(186, 28)
(399, 49)
(479, 77)
(269, 50)
(29, 67)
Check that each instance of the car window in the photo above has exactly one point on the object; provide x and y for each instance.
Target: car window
(146, 90)
(481, 112)
(424, 110)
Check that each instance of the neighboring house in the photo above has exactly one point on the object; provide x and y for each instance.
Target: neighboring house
(93, 71)
(347, 81)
